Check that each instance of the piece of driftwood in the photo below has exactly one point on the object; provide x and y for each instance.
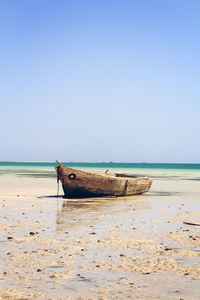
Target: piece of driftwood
(81, 184)
(189, 223)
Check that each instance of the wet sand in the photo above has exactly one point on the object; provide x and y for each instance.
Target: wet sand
(124, 248)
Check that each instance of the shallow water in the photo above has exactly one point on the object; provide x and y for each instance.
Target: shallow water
(156, 169)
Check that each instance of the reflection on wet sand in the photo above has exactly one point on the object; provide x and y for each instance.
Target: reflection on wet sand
(77, 213)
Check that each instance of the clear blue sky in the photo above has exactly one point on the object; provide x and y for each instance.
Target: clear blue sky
(101, 80)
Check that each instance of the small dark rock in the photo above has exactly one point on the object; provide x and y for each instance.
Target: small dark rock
(168, 249)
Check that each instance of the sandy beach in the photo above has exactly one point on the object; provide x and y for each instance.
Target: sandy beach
(125, 248)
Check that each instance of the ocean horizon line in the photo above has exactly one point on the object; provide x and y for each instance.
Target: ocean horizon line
(98, 162)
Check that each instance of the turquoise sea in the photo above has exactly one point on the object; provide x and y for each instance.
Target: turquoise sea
(150, 169)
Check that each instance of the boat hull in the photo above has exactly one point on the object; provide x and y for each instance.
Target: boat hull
(81, 184)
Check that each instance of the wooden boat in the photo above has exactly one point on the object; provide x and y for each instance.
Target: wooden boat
(81, 184)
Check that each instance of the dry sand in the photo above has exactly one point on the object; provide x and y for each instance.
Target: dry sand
(124, 248)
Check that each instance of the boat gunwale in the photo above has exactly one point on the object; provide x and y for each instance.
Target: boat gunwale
(109, 175)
